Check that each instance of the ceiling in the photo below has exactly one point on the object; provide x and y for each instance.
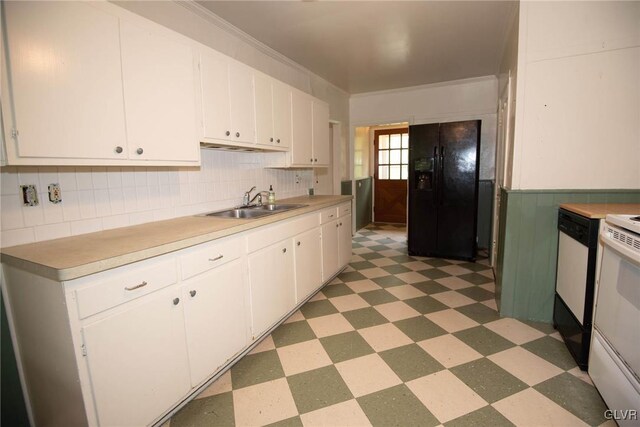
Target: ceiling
(364, 46)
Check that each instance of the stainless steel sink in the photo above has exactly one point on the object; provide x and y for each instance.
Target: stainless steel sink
(253, 211)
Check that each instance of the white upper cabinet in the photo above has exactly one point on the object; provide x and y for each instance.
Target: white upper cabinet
(273, 112)
(320, 124)
(159, 95)
(301, 112)
(228, 103)
(88, 84)
(264, 110)
(66, 96)
(281, 113)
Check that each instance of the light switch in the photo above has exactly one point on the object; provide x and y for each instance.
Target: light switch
(29, 195)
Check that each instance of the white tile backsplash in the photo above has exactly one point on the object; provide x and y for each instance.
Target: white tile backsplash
(102, 198)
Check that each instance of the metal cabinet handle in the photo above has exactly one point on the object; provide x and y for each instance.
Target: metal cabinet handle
(139, 151)
(278, 140)
(192, 293)
(133, 288)
(331, 216)
(227, 133)
(237, 134)
(315, 160)
(298, 243)
(118, 149)
(216, 258)
(284, 250)
(176, 301)
(270, 139)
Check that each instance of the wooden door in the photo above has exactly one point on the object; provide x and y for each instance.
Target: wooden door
(391, 150)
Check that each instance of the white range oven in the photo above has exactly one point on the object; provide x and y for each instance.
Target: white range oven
(614, 362)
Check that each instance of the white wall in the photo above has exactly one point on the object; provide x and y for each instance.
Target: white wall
(442, 102)
(578, 90)
(98, 198)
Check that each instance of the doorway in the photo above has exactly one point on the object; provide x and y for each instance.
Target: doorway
(391, 160)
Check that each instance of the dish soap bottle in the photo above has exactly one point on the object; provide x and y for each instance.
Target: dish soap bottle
(272, 195)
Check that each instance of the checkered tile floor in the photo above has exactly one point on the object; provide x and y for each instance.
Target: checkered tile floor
(402, 341)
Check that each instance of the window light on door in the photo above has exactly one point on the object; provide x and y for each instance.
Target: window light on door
(393, 156)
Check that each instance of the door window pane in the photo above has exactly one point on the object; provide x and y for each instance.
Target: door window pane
(395, 157)
(394, 172)
(405, 140)
(395, 141)
(383, 141)
(405, 156)
(383, 157)
(405, 171)
(383, 172)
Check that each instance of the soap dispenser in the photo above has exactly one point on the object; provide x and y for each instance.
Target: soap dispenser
(272, 195)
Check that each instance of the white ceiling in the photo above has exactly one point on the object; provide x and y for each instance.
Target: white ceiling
(364, 46)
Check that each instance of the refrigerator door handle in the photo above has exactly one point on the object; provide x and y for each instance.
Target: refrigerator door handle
(435, 174)
(441, 177)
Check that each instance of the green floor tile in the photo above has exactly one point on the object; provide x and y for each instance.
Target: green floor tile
(437, 262)
(371, 255)
(545, 328)
(410, 362)
(318, 389)
(474, 266)
(483, 340)
(430, 287)
(403, 259)
(379, 296)
(331, 291)
(388, 281)
(256, 368)
(292, 333)
(351, 276)
(379, 248)
(576, 396)
(317, 308)
(475, 278)
(426, 304)
(419, 328)
(366, 233)
(476, 293)
(551, 350)
(209, 411)
(479, 312)
(345, 346)
(396, 269)
(396, 406)
(484, 417)
(488, 380)
(362, 265)
(356, 245)
(360, 239)
(289, 422)
(364, 317)
(385, 241)
(434, 273)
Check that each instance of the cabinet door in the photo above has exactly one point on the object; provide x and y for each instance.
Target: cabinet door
(215, 318)
(281, 114)
(137, 360)
(264, 110)
(159, 93)
(66, 81)
(242, 104)
(330, 249)
(214, 76)
(308, 263)
(301, 112)
(321, 134)
(271, 278)
(345, 240)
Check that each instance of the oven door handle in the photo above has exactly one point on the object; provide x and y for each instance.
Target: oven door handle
(621, 249)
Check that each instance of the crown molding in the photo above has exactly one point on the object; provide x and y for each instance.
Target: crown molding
(427, 86)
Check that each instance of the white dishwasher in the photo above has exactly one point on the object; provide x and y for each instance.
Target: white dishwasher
(614, 364)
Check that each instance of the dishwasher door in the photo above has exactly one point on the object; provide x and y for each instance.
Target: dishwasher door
(571, 280)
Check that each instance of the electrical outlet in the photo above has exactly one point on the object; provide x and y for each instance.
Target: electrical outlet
(310, 191)
(55, 193)
(29, 195)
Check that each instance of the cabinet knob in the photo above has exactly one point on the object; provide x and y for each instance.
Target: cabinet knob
(118, 149)
(270, 139)
(278, 140)
(284, 250)
(237, 134)
(341, 224)
(192, 293)
(298, 243)
(176, 301)
(315, 160)
(227, 133)
(139, 151)
(311, 160)
(337, 225)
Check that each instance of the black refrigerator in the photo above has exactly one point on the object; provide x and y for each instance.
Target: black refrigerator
(443, 189)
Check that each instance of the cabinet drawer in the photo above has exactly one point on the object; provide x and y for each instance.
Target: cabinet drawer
(328, 214)
(209, 255)
(271, 234)
(344, 209)
(125, 286)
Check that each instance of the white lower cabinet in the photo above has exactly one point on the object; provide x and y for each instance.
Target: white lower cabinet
(271, 277)
(137, 360)
(330, 250)
(344, 239)
(215, 319)
(308, 263)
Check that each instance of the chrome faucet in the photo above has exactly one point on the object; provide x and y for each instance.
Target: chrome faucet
(259, 197)
(247, 196)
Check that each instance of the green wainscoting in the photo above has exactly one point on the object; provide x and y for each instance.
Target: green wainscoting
(364, 200)
(528, 244)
